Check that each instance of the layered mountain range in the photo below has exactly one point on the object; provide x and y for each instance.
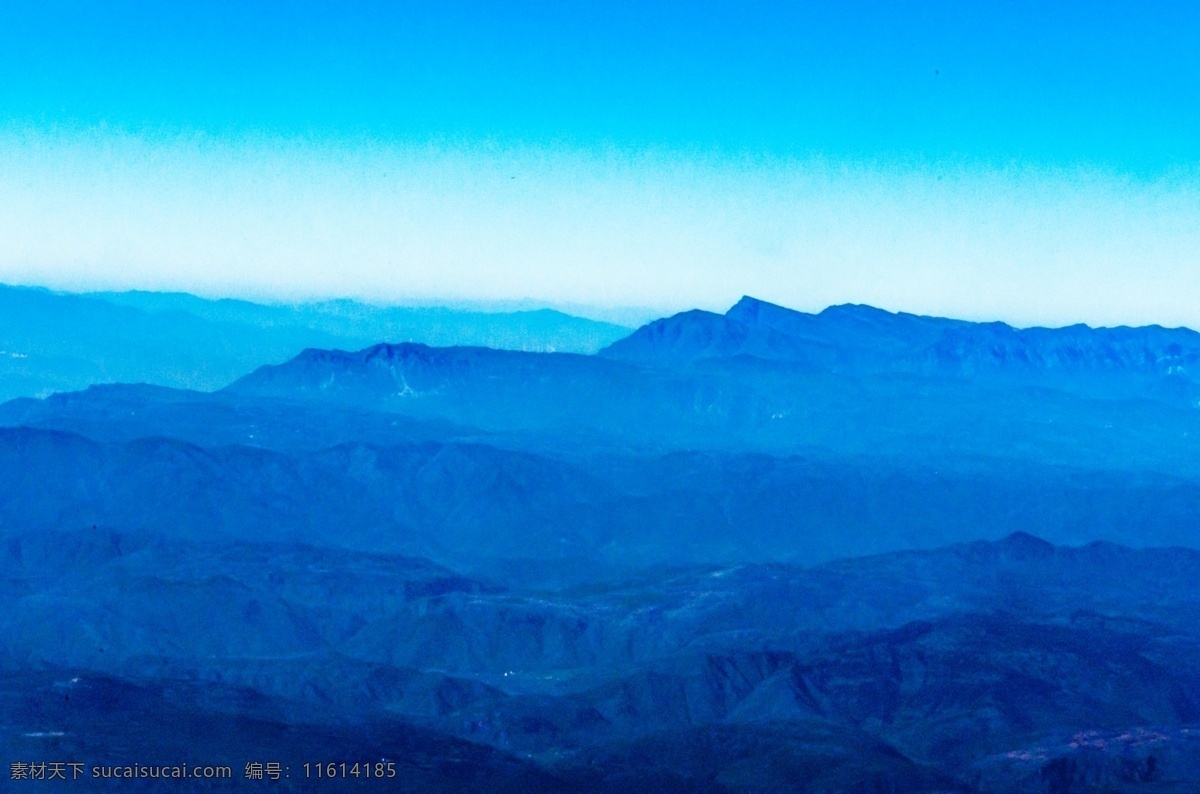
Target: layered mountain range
(54, 342)
(759, 551)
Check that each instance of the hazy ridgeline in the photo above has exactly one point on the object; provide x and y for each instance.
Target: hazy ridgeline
(638, 563)
(52, 342)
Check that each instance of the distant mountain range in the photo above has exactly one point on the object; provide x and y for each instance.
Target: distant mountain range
(485, 509)
(860, 339)
(1001, 667)
(849, 381)
(522, 458)
(53, 342)
(852, 551)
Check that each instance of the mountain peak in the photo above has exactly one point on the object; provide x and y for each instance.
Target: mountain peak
(747, 306)
(1022, 545)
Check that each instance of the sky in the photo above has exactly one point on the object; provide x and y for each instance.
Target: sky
(1028, 161)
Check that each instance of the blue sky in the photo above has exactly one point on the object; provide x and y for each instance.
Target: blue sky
(1031, 161)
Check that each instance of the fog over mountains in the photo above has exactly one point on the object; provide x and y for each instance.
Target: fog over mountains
(52, 342)
(762, 550)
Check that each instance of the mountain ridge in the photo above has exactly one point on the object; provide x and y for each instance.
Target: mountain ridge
(758, 328)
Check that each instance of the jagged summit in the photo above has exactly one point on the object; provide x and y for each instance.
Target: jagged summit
(748, 307)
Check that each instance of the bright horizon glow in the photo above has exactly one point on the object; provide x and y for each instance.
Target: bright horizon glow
(1031, 162)
(293, 219)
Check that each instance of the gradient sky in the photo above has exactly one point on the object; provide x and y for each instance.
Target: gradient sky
(1035, 162)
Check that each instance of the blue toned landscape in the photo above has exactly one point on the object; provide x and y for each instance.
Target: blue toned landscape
(606, 397)
(761, 550)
